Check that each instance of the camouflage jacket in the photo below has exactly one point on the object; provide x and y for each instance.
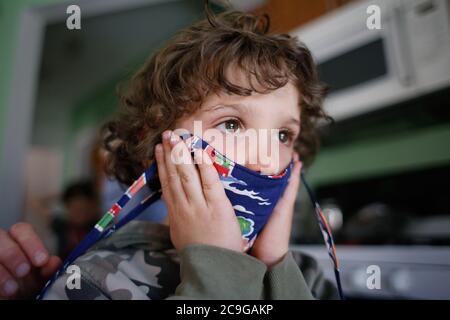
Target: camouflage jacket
(140, 262)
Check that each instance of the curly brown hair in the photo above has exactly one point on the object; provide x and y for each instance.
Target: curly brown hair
(178, 77)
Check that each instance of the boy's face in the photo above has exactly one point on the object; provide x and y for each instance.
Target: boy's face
(256, 131)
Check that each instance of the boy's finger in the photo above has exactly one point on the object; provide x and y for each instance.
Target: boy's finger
(30, 243)
(12, 257)
(162, 173)
(173, 179)
(189, 176)
(211, 185)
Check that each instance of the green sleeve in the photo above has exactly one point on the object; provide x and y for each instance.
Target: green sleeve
(210, 272)
(285, 281)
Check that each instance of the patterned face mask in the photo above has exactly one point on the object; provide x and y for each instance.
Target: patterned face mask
(252, 195)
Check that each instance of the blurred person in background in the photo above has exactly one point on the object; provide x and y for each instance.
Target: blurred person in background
(80, 212)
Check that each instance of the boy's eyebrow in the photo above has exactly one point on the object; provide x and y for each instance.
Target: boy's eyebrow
(236, 106)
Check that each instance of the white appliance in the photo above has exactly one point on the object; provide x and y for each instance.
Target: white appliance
(368, 69)
(406, 272)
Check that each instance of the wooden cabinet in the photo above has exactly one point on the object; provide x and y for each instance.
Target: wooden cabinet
(286, 15)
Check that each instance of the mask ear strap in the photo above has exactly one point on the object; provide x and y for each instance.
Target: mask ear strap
(327, 235)
(149, 174)
(115, 209)
(144, 204)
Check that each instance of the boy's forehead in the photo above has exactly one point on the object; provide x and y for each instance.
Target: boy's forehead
(242, 78)
(285, 95)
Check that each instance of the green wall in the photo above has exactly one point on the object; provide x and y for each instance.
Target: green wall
(10, 14)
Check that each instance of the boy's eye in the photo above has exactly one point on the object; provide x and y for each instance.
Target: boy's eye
(284, 136)
(229, 126)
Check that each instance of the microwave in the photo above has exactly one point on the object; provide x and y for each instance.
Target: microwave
(405, 56)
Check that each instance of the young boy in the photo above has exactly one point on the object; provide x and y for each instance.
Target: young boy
(228, 74)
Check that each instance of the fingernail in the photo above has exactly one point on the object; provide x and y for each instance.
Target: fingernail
(10, 287)
(40, 257)
(22, 269)
(158, 148)
(174, 138)
(166, 135)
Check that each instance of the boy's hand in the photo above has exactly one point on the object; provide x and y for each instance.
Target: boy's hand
(198, 208)
(272, 243)
(25, 264)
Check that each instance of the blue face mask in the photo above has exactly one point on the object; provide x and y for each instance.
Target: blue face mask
(252, 194)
